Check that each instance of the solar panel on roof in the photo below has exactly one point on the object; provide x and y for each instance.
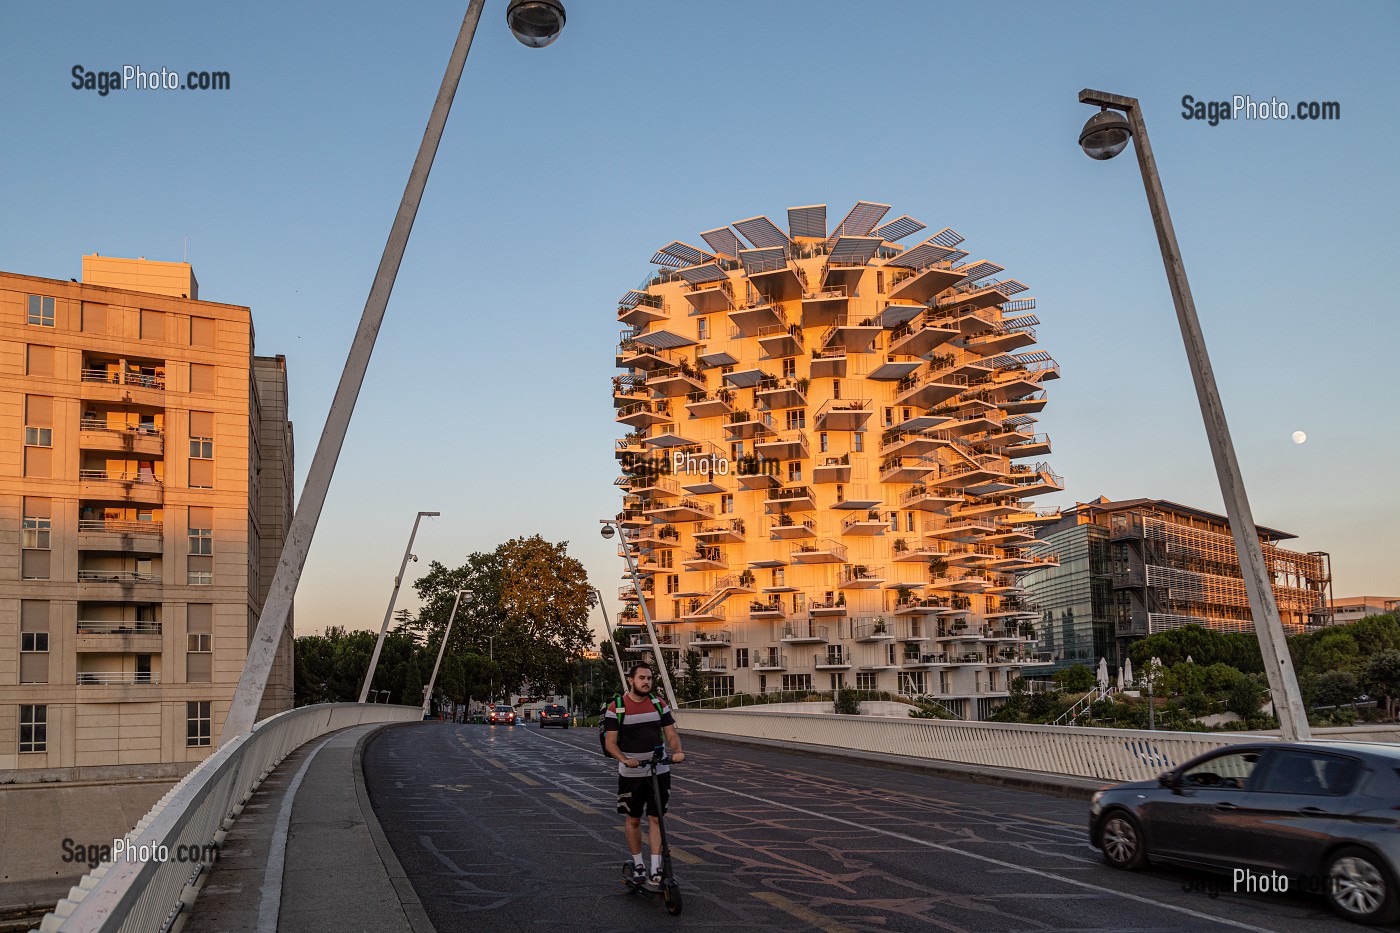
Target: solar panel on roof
(859, 220)
(899, 228)
(723, 241)
(979, 270)
(1009, 287)
(763, 260)
(761, 232)
(925, 254)
(947, 237)
(687, 254)
(807, 221)
(697, 275)
(855, 250)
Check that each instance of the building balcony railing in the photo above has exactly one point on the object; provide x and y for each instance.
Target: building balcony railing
(106, 678)
(119, 476)
(117, 576)
(718, 638)
(119, 628)
(768, 610)
(834, 658)
(111, 526)
(774, 661)
(796, 633)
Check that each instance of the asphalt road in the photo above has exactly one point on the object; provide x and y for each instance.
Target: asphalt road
(513, 828)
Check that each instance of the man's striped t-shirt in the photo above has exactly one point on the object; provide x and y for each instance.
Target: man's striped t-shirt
(640, 731)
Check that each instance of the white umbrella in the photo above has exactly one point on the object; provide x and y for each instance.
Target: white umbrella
(1103, 672)
(1120, 678)
(1128, 672)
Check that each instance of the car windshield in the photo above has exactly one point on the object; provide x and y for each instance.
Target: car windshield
(503, 709)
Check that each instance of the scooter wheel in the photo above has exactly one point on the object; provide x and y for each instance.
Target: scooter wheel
(671, 896)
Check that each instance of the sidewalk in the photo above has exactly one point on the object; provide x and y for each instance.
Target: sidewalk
(317, 863)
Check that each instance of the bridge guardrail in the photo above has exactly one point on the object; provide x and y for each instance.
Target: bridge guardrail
(142, 896)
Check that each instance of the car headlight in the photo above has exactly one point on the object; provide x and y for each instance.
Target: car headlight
(1096, 802)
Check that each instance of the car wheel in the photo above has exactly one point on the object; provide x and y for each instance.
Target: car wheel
(1121, 840)
(1359, 887)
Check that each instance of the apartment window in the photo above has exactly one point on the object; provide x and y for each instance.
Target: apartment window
(38, 435)
(726, 502)
(33, 726)
(94, 318)
(838, 681)
(673, 583)
(889, 417)
(667, 559)
(945, 683)
(789, 367)
(199, 638)
(880, 290)
(797, 681)
(741, 657)
(905, 413)
(201, 540)
(201, 331)
(908, 521)
(702, 329)
(152, 325)
(721, 686)
(201, 450)
(894, 521)
(914, 683)
(867, 680)
(38, 361)
(736, 450)
(858, 441)
(35, 538)
(34, 641)
(201, 379)
(200, 562)
(836, 388)
(197, 720)
(40, 311)
(794, 471)
(822, 441)
(796, 418)
(779, 576)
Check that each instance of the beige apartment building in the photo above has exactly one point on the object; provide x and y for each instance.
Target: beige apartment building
(146, 488)
(831, 459)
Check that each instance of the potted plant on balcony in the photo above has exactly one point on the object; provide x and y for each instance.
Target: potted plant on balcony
(879, 628)
(900, 546)
(903, 594)
(803, 384)
(937, 567)
(785, 519)
(746, 578)
(841, 599)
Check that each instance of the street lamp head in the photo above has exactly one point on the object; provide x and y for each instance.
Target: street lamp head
(607, 532)
(1105, 135)
(536, 23)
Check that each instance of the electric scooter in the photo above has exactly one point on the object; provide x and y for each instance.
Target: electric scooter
(668, 888)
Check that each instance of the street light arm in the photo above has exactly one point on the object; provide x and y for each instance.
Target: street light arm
(1111, 101)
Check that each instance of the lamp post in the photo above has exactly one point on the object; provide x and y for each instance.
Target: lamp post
(1104, 136)
(428, 694)
(609, 529)
(393, 597)
(617, 659)
(535, 23)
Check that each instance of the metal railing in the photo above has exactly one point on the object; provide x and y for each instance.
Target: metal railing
(101, 678)
(145, 380)
(141, 896)
(101, 424)
(117, 576)
(119, 628)
(120, 476)
(119, 527)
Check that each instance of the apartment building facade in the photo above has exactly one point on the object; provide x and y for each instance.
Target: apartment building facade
(831, 458)
(146, 484)
(1150, 565)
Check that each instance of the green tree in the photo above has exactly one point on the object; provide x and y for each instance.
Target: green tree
(1244, 697)
(1076, 679)
(692, 682)
(1334, 688)
(1381, 676)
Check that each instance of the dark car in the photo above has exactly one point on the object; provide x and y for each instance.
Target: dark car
(554, 715)
(1278, 816)
(501, 713)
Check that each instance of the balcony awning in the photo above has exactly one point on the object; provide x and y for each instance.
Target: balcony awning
(663, 340)
(809, 221)
(680, 254)
(762, 232)
(631, 299)
(979, 270)
(947, 237)
(757, 261)
(925, 254)
(899, 228)
(699, 275)
(854, 250)
(723, 241)
(1009, 287)
(859, 220)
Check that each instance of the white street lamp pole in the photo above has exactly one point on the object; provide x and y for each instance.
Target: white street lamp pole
(1103, 138)
(617, 658)
(609, 527)
(393, 597)
(432, 681)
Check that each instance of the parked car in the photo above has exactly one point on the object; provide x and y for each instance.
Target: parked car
(1278, 816)
(554, 715)
(501, 713)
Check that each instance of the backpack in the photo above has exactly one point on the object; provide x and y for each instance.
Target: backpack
(621, 711)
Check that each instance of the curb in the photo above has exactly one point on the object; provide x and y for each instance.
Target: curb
(1072, 787)
(408, 898)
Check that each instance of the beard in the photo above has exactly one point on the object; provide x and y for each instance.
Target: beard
(641, 691)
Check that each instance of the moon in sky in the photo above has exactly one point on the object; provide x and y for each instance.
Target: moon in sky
(1299, 437)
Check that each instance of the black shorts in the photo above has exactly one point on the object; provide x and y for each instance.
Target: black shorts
(634, 795)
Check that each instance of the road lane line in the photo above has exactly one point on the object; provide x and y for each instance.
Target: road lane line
(1041, 819)
(565, 798)
(270, 901)
(801, 913)
(527, 780)
(986, 858)
(492, 761)
(681, 855)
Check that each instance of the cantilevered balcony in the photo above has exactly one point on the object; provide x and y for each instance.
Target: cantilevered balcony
(791, 499)
(855, 335)
(714, 666)
(908, 469)
(781, 393)
(645, 414)
(920, 287)
(664, 639)
(919, 338)
(805, 633)
(706, 558)
(927, 390)
(923, 661)
(920, 553)
(860, 577)
(753, 319)
(832, 470)
(682, 510)
(701, 610)
(1027, 404)
(847, 260)
(790, 445)
(821, 551)
(711, 638)
(96, 534)
(770, 661)
(822, 308)
(675, 382)
(119, 436)
(713, 293)
(119, 637)
(1006, 335)
(747, 424)
(835, 658)
(829, 364)
(755, 473)
(652, 485)
(902, 443)
(772, 275)
(920, 605)
(1034, 482)
(1038, 445)
(828, 607)
(639, 308)
(767, 609)
(709, 404)
(843, 414)
(725, 532)
(140, 487)
(1011, 535)
(867, 525)
(895, 369)
(973, 473)
(923, 498)
(781, 340)
(968, 298)
(961, 529)
(867, 631)
(786, 528)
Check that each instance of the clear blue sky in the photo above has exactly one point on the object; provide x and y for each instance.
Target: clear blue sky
(562, 170)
